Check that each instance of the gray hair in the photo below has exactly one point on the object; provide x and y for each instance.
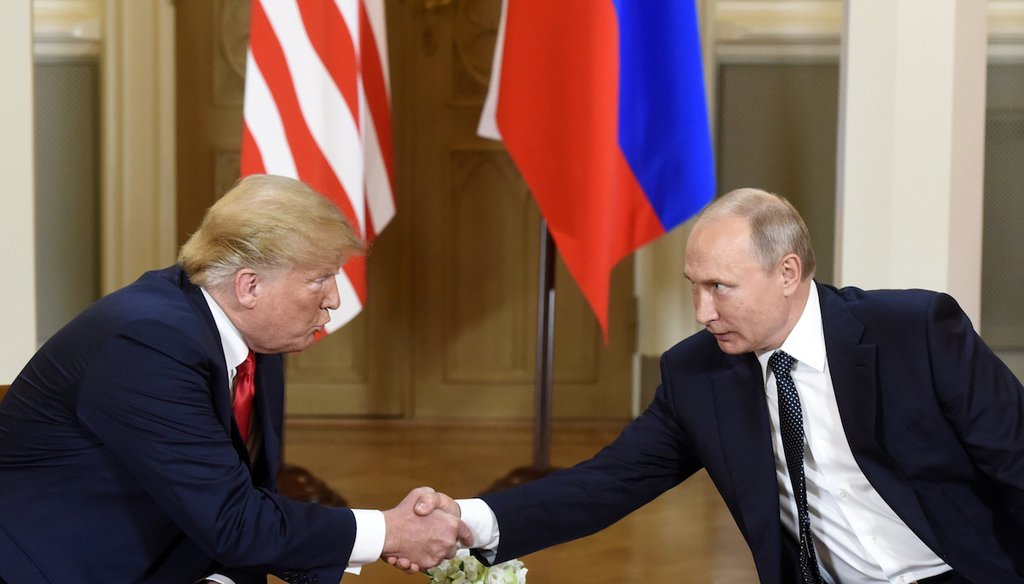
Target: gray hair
(775, 225)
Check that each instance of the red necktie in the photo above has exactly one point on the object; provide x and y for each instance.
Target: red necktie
(245, 389)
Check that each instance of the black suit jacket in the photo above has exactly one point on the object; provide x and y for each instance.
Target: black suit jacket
(934, 419)
(120, 460)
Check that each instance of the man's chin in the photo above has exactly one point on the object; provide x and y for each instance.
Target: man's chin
(302, 344)
(730, 347)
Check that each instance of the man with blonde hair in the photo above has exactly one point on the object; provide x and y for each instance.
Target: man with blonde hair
(141, 443)
(856, 436)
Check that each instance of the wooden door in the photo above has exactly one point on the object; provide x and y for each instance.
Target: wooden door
(449, 329)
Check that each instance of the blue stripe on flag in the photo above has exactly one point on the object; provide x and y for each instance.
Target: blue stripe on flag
(663, 121)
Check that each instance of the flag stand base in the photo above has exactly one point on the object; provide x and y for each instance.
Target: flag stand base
(299, 484)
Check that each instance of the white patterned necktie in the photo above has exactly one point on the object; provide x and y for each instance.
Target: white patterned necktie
(791, 422)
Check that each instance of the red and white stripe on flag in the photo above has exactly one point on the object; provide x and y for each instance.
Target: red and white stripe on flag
(318, 109)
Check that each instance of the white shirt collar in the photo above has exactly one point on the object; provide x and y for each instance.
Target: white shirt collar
(235, 349)
(806, 342)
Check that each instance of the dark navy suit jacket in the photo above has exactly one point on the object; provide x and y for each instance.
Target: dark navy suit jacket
(120, 460)
(934, 419)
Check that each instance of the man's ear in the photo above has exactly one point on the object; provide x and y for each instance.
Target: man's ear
(791, 270)
(246, 287)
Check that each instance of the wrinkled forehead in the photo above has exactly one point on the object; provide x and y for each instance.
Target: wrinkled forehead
(718, 247)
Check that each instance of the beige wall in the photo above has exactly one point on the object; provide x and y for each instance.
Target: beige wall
(137, 214)
(17, 293)
(912, 147)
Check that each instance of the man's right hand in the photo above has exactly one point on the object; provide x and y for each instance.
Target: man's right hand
(423, 530)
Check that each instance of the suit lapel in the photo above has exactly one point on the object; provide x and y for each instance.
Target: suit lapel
(746, 440)
(853, 366)
(221, 392)
(269, 398)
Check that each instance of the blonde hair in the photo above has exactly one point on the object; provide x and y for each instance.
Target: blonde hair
(268, 222)
(776, 228)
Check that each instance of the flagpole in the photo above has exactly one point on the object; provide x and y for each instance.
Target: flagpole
(545, 353)
(544, 373)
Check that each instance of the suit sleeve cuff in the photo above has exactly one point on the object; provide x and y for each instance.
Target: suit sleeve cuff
(369, 542)
(482, 523)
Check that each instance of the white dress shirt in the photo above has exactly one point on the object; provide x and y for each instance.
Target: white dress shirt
(858, 538)
(370, 527)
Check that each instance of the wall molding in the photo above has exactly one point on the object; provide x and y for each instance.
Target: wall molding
(778, 31)
(67, 28)
(786, 30)
(1005, 31)
(134, 43)
(138, 167)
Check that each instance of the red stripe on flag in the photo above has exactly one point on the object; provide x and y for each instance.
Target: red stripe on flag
(331, 39)
(355, 269)
(252, 159)
(371, 232)
(312, 166)
(551, 111)
(376, 91)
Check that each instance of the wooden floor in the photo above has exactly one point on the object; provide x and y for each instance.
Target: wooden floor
(684, 536)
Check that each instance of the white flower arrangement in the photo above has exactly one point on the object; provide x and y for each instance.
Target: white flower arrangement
(466, 569)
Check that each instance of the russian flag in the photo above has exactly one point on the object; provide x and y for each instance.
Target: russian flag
(601, 106)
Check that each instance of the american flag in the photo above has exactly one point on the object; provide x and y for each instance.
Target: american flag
(317, 109)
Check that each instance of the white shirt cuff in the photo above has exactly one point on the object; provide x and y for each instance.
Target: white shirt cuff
(219, 578)
(482, 523)
(369, 543)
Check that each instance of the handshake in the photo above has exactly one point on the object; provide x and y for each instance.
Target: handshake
(423, 530)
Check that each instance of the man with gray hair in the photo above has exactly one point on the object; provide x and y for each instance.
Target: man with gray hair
(856, 436)
(141, 443)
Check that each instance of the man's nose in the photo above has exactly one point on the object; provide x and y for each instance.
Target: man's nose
(332, 298)
(704, 307)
